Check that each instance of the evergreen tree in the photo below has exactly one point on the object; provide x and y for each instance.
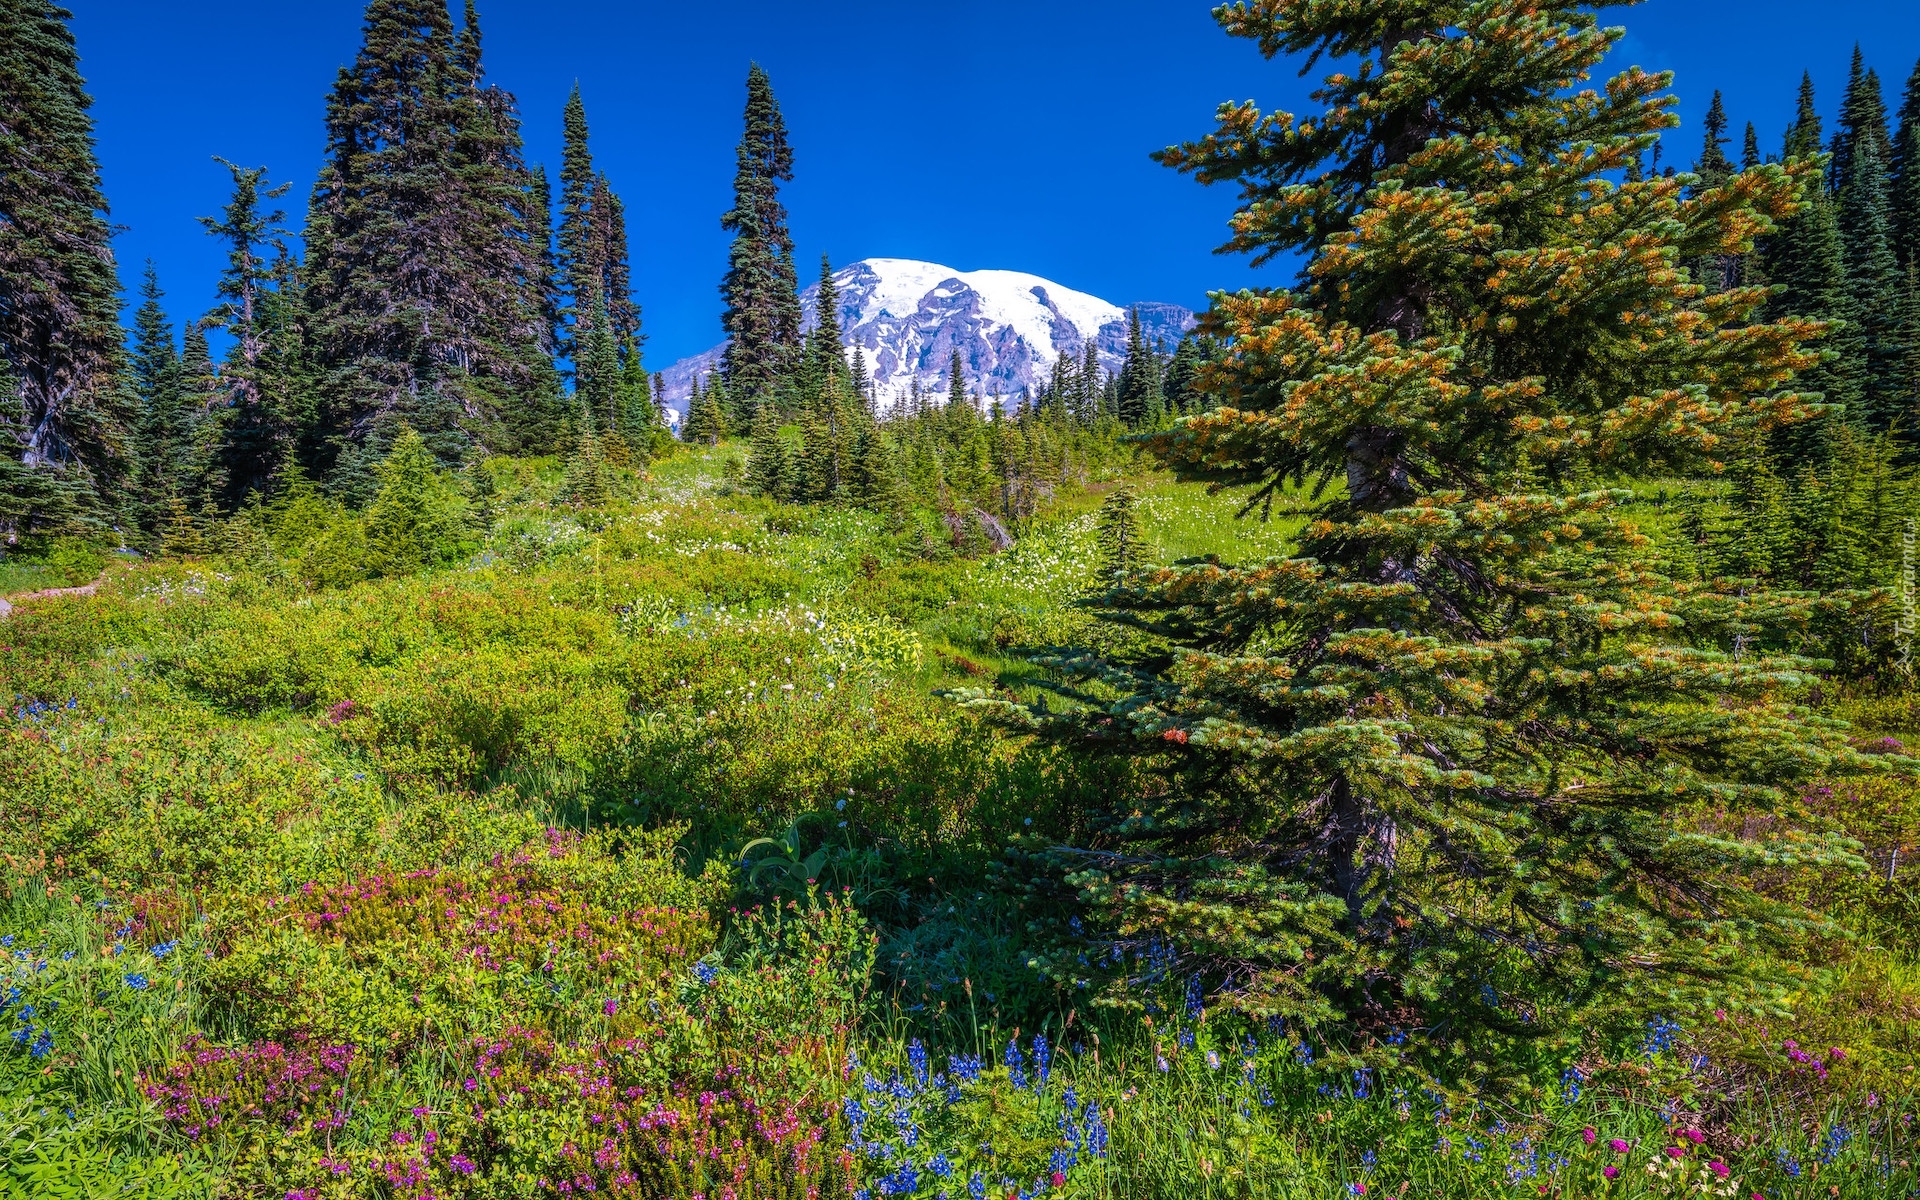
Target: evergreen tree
(1713, 169)
(1876, 287)
(1904, 185)
(1750, 149)
(418, 518)
(1140, 400)
(828, 354)
(1440, 769)
(585, 483)
(760, 291)
(155, 368)
(877, 486)
(65, 418)
(593, 261)
(767, 456)
(1119, 532)
(424, 265)
(1092, 383)
(262, 413)
(1805, 258)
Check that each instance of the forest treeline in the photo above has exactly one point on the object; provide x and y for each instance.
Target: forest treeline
(438, 284)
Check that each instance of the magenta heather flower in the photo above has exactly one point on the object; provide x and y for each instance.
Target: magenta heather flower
(1588, 1136)
(1676, 1151)
(1611, 1172)
(1617, 1146)
(1719, 1168)
(611, 1007)
(1693, 1135)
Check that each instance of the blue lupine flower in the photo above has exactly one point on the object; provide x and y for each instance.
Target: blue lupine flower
(7, 941)
(1014, 1063)
(1661, 1035)
(42, 1045)
(917, 1060)
(977, 1187)
(938, 1166)
(1362, 1083)
(965, 1067)
(1196, 998)
(1186, 1039)
(136, 981)
(1570, 1080)
(163, 949)
(1836, 1141)
(1303, 1054)
(1042, 1057)
(1787, 1163)
(705, 972)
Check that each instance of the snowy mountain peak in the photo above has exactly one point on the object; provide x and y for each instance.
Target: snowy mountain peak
(910, 316)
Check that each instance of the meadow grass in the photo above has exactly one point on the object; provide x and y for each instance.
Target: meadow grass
(662, 795)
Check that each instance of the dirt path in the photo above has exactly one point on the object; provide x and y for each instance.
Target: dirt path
(85, 589)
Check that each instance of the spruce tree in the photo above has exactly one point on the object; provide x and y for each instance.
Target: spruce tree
(418, 518)
(1119, 534)
(1875, 288)
(424, 270)
(1140, 398)
(1904, 188)
(760, 292)
(766, 456)
(1712, 170)
(65, 419)
(155, 368)
(1440, 769)
(829, 355)
(1804, 257)
(262, 415)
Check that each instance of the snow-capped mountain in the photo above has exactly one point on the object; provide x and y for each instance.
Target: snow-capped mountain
(1009, 327)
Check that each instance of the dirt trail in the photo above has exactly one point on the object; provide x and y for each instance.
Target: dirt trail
(85, 589)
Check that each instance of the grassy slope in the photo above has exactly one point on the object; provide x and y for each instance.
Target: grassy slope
(209, 738)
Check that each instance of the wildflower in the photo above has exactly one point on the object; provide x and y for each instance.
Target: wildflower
(163, 949)
(1610, 1171)
(1356, 1189)
(706, 973)
(136, 981)
(1588, 1136)
(611, 1007)
(1617, 1146)
(1676, 1151)
(1213, 1061)
(1719, 1168)
(1693, 1135)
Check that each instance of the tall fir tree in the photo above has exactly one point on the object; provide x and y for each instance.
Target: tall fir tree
(1876, 288)
(1712, 169)
(1440, 769)
(1140, 393)
(154, 365)
(263, 415)
(424, 267)
(1904, 189)
(1804, 257)
(66, 412)
(760, 290)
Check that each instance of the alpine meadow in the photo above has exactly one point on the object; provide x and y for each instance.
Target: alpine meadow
(1435, 725)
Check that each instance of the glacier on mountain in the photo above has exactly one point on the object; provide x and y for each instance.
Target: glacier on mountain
(908, 317)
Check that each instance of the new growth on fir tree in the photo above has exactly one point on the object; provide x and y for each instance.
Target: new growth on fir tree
(1466, 761)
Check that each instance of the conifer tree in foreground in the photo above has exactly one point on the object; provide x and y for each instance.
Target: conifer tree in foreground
(64, 413)
(760, 289)
(1459, 764)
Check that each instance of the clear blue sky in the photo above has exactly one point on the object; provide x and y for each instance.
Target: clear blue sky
(975, 133)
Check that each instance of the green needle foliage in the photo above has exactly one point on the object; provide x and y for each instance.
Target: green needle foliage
(1467, 763)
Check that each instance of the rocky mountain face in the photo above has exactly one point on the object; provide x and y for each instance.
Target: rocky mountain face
(908, 317)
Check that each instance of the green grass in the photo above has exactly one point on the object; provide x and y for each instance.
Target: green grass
(217, 752)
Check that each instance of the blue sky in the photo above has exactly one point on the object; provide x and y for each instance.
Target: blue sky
(976, 133)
